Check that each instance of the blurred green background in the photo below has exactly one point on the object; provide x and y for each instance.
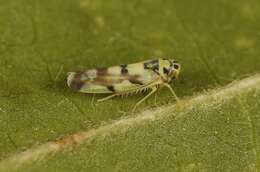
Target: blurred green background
(215, 41)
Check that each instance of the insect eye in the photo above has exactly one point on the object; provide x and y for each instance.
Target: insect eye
(176, 66)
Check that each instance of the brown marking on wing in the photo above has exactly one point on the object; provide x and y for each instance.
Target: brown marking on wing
(106, 81)
(77, 83)
(102, 71)
(124, 70)
(111, 88)
(135, 80)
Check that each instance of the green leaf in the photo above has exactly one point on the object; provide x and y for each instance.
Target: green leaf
(215, 42)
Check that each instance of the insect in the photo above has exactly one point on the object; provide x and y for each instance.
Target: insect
(126, 79)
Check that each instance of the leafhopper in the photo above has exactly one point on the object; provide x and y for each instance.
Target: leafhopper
(126, 79)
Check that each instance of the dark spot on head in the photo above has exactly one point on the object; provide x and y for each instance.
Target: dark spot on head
(124, 69)
(76, 83)
(102, 71)
(176, 66)
(111, 88)
(166, 71)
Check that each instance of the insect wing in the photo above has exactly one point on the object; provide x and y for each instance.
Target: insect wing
(117, 79)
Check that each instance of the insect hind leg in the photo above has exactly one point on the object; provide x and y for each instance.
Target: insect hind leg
(106, 98)
(154, 89)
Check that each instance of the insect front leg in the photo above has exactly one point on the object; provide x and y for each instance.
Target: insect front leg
(106, 98)
(170, 88)
(154, 89)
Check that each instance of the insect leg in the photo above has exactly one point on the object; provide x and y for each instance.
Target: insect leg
(106, 98)
(170, 88)
(154, 89)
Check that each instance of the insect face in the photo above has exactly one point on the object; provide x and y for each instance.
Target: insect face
(171, 69)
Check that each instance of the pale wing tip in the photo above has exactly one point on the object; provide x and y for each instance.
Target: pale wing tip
(70, 78)
(74, 81)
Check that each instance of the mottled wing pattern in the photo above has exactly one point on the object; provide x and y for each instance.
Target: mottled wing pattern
(116, 79)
